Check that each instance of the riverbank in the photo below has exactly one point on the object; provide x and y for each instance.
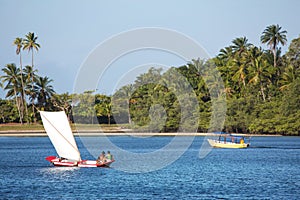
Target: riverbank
(120, 132)
(37, 130)
(97, 133)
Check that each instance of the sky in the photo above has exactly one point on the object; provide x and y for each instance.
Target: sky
(69, 30)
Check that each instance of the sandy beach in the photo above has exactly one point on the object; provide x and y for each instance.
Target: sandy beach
(35, 133)
(92, 133)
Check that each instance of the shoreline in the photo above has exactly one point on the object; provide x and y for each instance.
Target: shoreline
(95, 133)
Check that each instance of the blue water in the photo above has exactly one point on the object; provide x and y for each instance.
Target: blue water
(270, 169)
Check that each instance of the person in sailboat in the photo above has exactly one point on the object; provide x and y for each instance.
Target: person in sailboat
(101, 158)
(109, 157)
(62, 159)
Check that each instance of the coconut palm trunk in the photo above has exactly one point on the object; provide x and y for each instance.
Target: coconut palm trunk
(23, 96)
(19, 43)
(128, 113)
(262, 91)
(18, 106)
(274, 55)
(32, 89)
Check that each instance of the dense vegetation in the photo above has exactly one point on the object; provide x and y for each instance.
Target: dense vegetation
(261, 86)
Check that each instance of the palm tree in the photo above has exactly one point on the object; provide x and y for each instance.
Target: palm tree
(30, 44)
(289, 76)
(240, 45)
(240, 74)
(107, 110)
(28, 74)
(19, 43)
(44, 90)
(273, 36)
(259, 73)
(12, 79)
(27, 77)
(225, 62)
(225, 53)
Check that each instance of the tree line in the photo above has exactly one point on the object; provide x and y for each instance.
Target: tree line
(24, 85)
(261, 86)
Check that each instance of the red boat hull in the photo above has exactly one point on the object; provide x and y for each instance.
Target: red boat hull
(94, 163)
(84, 163)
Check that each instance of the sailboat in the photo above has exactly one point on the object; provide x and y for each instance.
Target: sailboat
(59, 131)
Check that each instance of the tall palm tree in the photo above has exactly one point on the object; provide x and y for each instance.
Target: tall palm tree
(240, 73)
(12, 79)
(30, 44)
(273, 36)
(44, 90)
(225, 63)
(240, 45)
(19, 44)
(259, 73)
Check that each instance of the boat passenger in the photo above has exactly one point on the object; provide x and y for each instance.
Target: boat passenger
(101, 158)
(242, 141)
(62, 159)
(109, 157)
(98, 160)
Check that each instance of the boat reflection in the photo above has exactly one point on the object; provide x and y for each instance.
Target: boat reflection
(59, 172)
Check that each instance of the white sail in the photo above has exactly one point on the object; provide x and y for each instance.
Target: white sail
(59, 131)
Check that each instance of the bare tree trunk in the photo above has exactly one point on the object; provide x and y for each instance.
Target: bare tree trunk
(274, 55)
(262, 92)
(129, 117)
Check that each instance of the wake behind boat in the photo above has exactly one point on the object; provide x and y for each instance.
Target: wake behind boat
(59, 131)
(229, 141)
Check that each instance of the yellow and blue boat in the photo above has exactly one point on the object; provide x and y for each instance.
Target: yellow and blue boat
(229, 141)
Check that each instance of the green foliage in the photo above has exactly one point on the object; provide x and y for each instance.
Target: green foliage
(43, 91)
(293, 54)
(261, 88)
(8, 111)
(83, 108)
